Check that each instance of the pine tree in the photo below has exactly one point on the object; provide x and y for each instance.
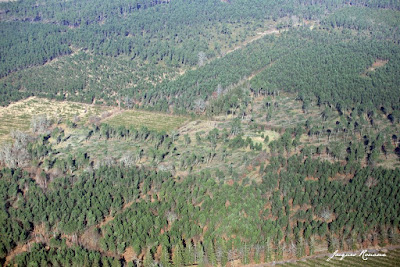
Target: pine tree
(312, 245)
(223, 252)
(86, 261)
(211, 254)
(116, 263)
(300, 251)
(257, 250)
(279, 252)
(148, 259)
(188, 253)
(177, 258)
(200, 255)
(245, 257)
(164, 258)
(268, 251)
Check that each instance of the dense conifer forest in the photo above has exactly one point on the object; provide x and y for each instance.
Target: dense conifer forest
(207, 132)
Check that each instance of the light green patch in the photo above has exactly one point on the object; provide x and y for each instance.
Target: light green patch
(18, 116)
(258, 139)
(391, 258)
(151, 120)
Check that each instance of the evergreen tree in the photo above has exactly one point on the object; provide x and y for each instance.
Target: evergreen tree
(177, 257)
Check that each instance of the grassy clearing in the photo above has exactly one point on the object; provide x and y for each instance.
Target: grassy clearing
(379, 63)
(257, 138)
(151, 120)
(391, 259)
(18, 116)
(201, 127)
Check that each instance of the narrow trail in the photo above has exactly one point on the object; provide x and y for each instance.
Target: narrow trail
(253, 39)
(251, 76)
(37, 235)
(109, 218)
(18, 250)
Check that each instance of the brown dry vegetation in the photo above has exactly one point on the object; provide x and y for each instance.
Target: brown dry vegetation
(129, 254)
(17, 116)
(379, 63)
(37, 235)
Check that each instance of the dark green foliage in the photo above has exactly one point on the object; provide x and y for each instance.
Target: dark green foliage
(163, 32)
(11, 183)
(140, 224)
(27, 44)
(76, 256)
(284, 197)
(329, 68)
(381, 23)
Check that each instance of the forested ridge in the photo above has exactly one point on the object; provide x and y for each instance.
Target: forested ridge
(169, 32)
(209, 133)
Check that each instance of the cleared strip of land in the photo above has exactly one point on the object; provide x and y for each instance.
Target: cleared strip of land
(151, 120)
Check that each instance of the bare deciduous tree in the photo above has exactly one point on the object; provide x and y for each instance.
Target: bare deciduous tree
(326, 214)
(232, 255)
(202, 58)
(105, 114)
(333, 243)
(219, 90)
(371, 182)
(139, 154)
(171, 216)
(40, 123)
(77, 118)
(236, 127)
(128, 160)
(199, 105)
(94, 120)
(219, 253)
(291, 248)
(16, 155)
(128, 102)
(165, 167)
(41, 179)
(108, 161)
(21, 139)
(174, 135)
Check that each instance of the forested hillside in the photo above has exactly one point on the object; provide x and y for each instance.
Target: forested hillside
(209, 133)
(172, 35)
